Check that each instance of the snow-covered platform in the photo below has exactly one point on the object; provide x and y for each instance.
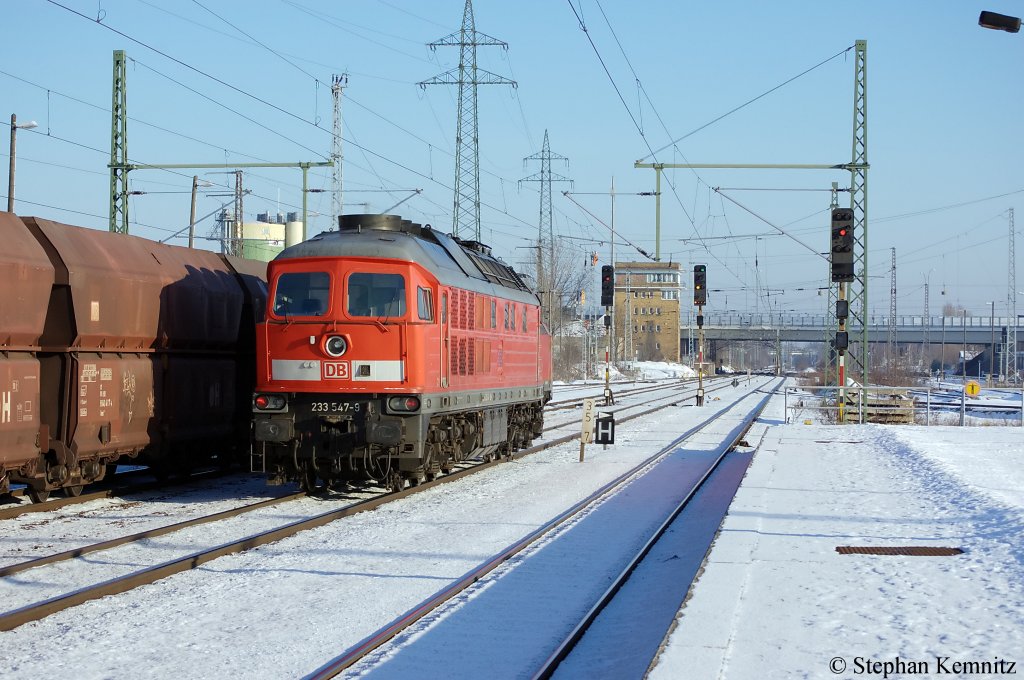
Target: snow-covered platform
(777, 601)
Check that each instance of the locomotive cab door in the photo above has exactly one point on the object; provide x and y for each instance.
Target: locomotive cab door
(445, 349)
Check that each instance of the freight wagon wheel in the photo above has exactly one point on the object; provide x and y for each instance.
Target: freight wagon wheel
(38, 495)
(74, 491)
(307, 480)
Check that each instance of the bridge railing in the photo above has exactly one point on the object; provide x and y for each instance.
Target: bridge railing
(740, 320)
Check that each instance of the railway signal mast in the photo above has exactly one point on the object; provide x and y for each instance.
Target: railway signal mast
(608, 302)
(700, 298)
(842, 273)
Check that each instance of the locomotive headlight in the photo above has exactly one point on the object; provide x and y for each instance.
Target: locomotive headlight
(268, 402)
(406, 404)
(335, 345)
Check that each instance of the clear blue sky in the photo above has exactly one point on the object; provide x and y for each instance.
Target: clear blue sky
(944, 110)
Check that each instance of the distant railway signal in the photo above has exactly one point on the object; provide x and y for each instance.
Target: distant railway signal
(700, 284)
(607, 285)
(842, 245)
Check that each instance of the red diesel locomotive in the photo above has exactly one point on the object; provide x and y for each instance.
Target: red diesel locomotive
(390, 351)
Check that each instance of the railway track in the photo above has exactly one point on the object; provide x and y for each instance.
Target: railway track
(118, 488)
(128, 483)
(676, 393)
(79, 594)
(577, 402)
(489, 605)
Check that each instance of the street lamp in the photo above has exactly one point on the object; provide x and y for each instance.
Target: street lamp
(999, 22)
(14, 136)
(196, 183)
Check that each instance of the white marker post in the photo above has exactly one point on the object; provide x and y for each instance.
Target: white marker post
(589, 415)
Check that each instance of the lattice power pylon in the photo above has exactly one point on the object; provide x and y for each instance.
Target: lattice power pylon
(858, 289)
(466, 218)
(119, 147)
(338, 84)
(545, 230)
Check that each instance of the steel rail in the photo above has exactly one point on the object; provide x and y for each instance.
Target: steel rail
(109, 492)
(119, 490)
(563, 650)
(406, 620)
(33, 612)
(149, 533)
(576, 401)
(54, 504)
(676, 398)
(159, 531)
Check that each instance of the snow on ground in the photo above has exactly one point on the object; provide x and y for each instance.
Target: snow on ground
(660, 370)
(282, 610)
(777, 601)
(635, 370)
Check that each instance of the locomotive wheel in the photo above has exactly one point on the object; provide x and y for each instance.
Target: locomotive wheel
(74, 491)
(38, 495)
(307, 479)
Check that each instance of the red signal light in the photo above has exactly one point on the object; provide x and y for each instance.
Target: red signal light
(262, 401)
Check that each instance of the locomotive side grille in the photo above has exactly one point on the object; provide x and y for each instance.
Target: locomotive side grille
(462, 356)
(472, 310)
(454, 365)
(462, 309)
(471, 359)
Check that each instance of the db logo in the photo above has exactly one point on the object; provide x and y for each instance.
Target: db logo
(335, 370)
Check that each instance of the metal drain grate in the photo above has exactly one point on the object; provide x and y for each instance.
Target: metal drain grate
(912, 550)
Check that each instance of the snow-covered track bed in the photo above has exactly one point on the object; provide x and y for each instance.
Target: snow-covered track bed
(125, 483)
(597, 392)
(50, 583)
(627, 404)
(552, 584)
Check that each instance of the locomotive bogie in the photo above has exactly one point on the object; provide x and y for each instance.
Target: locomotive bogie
(344, 440)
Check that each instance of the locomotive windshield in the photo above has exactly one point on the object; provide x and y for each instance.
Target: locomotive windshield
(376, 295)
(302, 294)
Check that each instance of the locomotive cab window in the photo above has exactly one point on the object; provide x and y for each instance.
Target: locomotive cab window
(302, 294)
(424, 304)
(376, 295)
